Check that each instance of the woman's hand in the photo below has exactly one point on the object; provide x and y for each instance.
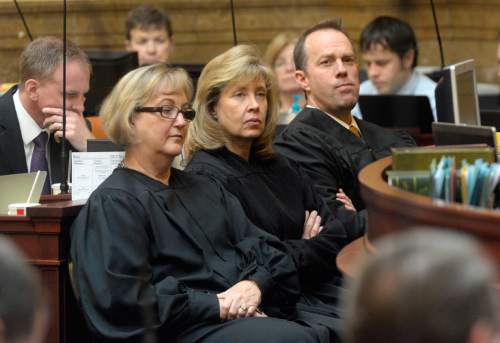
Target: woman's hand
(240, 301)
(343, 198)
(312, 225)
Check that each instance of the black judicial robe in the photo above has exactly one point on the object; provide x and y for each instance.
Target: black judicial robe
(139, 246)
(332, 156)
(275, 195)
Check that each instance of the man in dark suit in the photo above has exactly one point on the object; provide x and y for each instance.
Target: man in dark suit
(328, 143)
(31, 112)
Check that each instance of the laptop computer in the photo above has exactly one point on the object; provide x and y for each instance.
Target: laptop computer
(397, 111)
(17, 188)
(453, 134)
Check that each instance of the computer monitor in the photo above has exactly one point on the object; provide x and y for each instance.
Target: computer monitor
(456, 94)
(456, 134)
(107, 68)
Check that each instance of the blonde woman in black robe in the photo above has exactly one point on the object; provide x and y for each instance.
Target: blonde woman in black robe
(230, 141)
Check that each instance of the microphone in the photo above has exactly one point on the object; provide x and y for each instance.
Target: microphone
(26, 28)
(233, 21)
(437, 34)
(64, 150)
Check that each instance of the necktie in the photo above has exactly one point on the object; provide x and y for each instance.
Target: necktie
(355, 131)
(38, 159)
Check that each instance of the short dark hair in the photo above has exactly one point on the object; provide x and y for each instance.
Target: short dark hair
(299, 53)
(391, 33)
(20, 296)
(146, 17)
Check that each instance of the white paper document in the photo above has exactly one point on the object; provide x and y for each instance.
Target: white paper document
(90, 169)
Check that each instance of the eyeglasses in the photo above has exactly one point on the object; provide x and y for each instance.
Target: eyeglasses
(170, 111)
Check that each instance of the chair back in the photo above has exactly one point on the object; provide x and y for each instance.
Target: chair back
(97, 130)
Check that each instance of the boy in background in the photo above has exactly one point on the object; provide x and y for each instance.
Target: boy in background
(390, 54)
(149, 32)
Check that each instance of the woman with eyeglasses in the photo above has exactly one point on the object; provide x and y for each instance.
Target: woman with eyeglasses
(159, 252)
(230, 140)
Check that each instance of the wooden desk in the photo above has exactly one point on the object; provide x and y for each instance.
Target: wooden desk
(44, 238)
(391, 209)
(353, 255)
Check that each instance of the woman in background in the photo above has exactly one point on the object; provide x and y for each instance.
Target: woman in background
(279, 56)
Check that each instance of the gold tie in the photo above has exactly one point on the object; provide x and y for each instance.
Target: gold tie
(355, 131)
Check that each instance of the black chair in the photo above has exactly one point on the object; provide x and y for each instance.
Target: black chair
(107, 68)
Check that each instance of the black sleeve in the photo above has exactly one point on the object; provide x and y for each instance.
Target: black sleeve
(324, 165)
(356, 223)
(316, 257)
(265, 259)
(111, 253)
(404, 139)
(384, 140)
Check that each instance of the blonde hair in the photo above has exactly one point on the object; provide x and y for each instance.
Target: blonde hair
(240, 63)
(276, 46)
(135, 89)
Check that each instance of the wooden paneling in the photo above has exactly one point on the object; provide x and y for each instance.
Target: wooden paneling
(43, 235)
(202, 28)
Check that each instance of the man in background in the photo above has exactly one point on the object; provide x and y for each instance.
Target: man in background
(423, 287)
(326, 141)
(149, 32)
(390, 55)
(31, 113)
(23, 312)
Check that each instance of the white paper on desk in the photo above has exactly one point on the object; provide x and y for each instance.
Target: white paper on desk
(90, 169)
